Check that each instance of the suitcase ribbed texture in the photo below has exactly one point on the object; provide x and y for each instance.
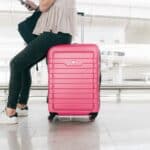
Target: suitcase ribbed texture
(73, 79)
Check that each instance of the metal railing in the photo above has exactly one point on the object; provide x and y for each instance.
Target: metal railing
(118, 88)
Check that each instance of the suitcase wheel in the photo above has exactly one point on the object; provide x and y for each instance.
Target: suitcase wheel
(51, 116)
(93, 116)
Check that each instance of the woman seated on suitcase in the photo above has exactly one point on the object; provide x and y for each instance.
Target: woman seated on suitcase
(55, 26)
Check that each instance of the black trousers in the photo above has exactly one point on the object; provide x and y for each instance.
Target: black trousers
(20, 65)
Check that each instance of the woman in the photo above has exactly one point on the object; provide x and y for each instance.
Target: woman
(55, 26)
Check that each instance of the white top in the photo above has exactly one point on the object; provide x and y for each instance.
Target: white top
(61, 17)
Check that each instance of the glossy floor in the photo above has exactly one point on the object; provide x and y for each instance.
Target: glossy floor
(123, 126)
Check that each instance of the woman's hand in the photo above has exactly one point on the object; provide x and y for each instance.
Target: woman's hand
(31, 5)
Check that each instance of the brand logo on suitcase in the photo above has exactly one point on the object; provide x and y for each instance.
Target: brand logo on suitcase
(73, 63)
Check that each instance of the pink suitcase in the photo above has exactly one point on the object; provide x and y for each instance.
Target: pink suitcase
(74, 80)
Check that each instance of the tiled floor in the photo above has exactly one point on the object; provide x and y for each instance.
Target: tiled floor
(123, 126)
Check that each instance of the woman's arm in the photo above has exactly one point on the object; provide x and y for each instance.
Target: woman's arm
(45, 5)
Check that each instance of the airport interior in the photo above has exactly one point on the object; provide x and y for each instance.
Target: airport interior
(121, 31)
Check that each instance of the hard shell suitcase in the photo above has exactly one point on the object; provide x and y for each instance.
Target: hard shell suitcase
(74, 80)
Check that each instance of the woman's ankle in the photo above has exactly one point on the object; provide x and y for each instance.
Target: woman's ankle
(21, 105)
(10, 111)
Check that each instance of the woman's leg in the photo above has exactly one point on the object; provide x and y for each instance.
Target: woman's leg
(26, 77)
(33, 53)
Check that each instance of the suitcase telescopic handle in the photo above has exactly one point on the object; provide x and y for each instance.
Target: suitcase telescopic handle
(82, 14)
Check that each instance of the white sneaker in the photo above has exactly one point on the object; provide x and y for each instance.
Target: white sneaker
(5, 119)
(22, 112)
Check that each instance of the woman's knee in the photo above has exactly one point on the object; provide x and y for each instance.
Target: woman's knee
(14, 64)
